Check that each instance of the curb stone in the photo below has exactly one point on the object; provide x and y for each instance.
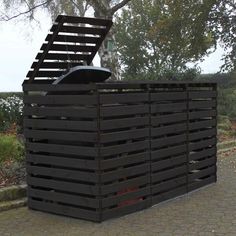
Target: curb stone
(12, 193)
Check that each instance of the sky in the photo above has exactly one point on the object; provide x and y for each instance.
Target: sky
(20, 43)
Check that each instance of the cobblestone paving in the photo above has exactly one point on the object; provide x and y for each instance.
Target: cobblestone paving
(209, 211)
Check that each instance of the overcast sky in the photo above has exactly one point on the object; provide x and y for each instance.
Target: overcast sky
(19, 44)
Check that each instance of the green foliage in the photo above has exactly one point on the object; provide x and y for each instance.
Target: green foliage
(11, 149)
(11, 109)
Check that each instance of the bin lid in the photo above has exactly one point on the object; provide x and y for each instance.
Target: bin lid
(72, 41)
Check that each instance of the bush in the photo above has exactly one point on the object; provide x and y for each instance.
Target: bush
(11, 149)
(11, 109)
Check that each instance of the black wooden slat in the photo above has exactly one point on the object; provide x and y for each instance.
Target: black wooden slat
(202, 134)
(63, 173)
(124, 135)
(111, 201)
(61, 135)
(168, 96)
(63, 149)
(202, 114)
(61, 112)
(168, 129)
(119, 186)
(63, 197)
(168, 107)
(170, 162)
(124, 123)
(203, 163)
(165, 119)
(165, 141)
(69, 47)
(166, 152)
(63, 210)
(124, 173)
(123, 148)
(201, 154)
(124, 160)
(202, 144)
(202, 104)
(56, 65)
(61, 124)
(80, 30)
(64, 56)
(202, 94)
(61, 99)
(167, 174)
(109, 111)
(46, 73)
(168, 185)
(202, 124)
(198, 184)
(123, 98)
(62, 161)
(64, 186)
(202, 173)
(168, 195)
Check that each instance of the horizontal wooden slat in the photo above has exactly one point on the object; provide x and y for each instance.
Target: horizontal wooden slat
(63, 173)
(202, 173)
(62, 161)
(166, 152)
(124, 135)
(168, 141)
(202, 114)
(202, 134)
(202, 124)
(63, 197)
(202, 104)
(46, 73)
(202, 144)
(61, 135)
(56, 65)
(124, 148)
(168, 185)
(124, 160)
(137, 194)
(109, 111)
(202, 94)
(60, 124)
(63, 149)
(69, 47)
(124, 173)
(168, 107)
(169, 129)
(167, 174)
(119, 186)
(201, 154)
(165, 119)
(203, 163)
(61, 99)
(170, 162)
(65, 186)
(61, 112)
(168, 96)
(123, 98)
(63, 210)
(64, 56)
(80, 30)
(124, 123)
(198, 184)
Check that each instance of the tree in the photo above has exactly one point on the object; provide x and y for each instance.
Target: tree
(101, 8)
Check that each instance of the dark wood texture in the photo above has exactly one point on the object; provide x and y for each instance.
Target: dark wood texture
(97, 151)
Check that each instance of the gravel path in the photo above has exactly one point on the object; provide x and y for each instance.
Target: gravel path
(209, 211)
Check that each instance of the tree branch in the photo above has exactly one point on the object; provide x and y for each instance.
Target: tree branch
(118, 6)
(7, 18)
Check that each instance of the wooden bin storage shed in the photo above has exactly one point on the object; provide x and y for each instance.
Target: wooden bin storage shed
(102, 150)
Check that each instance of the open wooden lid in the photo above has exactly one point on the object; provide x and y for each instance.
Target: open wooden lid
(72, 41)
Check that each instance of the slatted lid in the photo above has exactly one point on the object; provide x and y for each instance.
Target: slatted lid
(72, 41)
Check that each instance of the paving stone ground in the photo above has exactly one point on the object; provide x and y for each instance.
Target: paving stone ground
(209, 211)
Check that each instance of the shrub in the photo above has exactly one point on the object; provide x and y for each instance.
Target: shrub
(11, 109)
(11, 149)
